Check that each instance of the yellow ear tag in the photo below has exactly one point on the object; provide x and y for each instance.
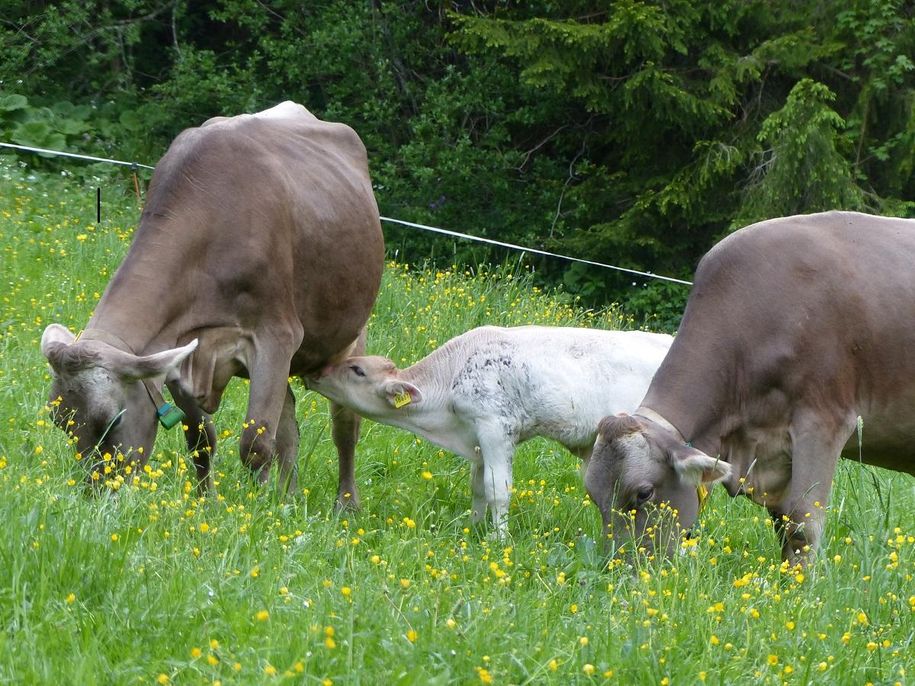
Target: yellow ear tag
(702, 492)
(402, 399)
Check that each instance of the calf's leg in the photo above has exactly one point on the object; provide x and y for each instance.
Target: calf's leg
(477, 490)
(584, 454)
(497, 450)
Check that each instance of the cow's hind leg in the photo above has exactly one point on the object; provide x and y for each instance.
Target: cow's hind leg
(345, 426)
(287, 446)
(799, 519)
(346, 434)
(200, 437)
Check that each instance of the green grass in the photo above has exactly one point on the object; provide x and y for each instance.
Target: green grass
(155, 586)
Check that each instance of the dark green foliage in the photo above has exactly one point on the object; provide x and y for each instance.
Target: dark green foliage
(708, 118)
(802, 169)
(634, 132)
(58, 127)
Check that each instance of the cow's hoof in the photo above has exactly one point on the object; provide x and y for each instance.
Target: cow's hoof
(347, 503)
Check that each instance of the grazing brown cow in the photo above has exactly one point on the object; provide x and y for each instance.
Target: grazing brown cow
(794, 329)
(259, 254)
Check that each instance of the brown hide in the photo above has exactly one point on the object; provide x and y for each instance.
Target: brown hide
(794, 329)
(811, 315)
(260, 238)
(264, 225)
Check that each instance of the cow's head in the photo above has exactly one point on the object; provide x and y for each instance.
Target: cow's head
(644, 480)
(370, 386)
(98, 397)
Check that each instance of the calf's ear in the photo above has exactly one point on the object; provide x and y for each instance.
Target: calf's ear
(696, 467)
(401, 393)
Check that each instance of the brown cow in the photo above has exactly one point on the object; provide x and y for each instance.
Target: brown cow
(259, 254)
(795, 329)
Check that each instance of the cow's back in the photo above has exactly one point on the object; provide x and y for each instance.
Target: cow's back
(814, 311)
(267, 217)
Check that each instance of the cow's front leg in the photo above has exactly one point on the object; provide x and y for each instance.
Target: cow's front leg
(287, 445)
(200, 437)
(345, 425)
(799, 529)
(800, 517)
(266, 397)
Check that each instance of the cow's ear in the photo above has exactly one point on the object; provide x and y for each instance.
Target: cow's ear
(401, 393)
(53, 340)
(696, 467)
(148, 366)
(617, 426)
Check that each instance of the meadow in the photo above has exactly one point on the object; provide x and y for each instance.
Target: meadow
(152, 585)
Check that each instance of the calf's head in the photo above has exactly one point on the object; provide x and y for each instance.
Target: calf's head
(368, 385)
(98, 398)
(644, 480)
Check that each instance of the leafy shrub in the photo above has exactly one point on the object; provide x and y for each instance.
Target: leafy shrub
(658, 305)
(58, 127)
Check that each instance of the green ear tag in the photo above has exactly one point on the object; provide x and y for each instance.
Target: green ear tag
(169, 415)
(402, 399)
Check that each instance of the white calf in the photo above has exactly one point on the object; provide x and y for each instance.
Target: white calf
(487, 390)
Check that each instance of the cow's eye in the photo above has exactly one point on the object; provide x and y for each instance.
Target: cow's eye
(357, 370)
(116, 421)
(644, 494)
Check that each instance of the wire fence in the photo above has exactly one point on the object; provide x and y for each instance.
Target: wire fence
(390, 220)
(61, 153)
